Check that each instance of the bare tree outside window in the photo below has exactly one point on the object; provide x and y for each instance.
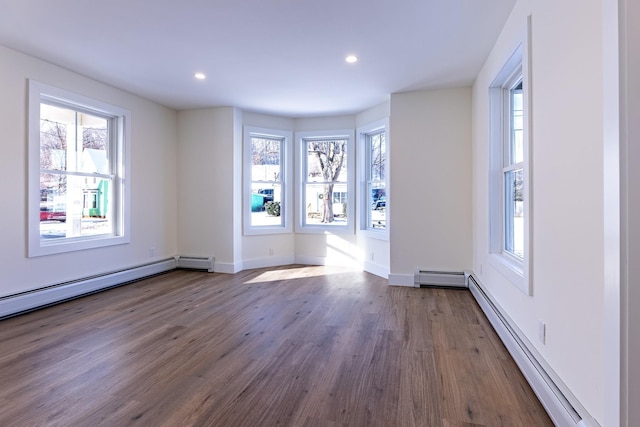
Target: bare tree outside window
(53, 147)
(376, 180)
(327, 165)
(265, 151)
(94, 138)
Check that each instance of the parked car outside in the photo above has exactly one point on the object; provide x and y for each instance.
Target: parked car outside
(380, 203)
(267, 193)
(48, 215)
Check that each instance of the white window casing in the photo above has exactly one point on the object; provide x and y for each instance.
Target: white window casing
(508, 170)
(69, 218)
(312, 182)
(267, 180)
(373, 198)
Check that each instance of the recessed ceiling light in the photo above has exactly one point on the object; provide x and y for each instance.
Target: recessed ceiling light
(200, 76)
(351, 59)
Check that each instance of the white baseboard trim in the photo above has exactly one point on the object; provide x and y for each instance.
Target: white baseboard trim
(321, 260)
(401, 280)
(14, 304)
(377, 269)
(563, 408)
(228, 267)
(272, 261)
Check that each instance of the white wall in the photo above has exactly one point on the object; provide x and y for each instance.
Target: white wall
(273, 249)
(374, 252)
(630, 193)
(210, 196)
(430, 201)
(153, 180)
(567, 191)
(207, 186)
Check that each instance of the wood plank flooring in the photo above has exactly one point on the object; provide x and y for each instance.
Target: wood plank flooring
(292, 346)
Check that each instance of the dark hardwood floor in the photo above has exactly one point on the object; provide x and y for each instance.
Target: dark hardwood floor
(294, 346)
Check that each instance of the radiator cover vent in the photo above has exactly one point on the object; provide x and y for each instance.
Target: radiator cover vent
(448, 279)
(195, 263)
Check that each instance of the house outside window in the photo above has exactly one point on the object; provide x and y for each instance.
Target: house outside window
(76, 150)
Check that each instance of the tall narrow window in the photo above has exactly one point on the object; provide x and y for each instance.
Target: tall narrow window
(509, 168)
(376, 175)
(325, 184)
(513, 171)
(266, 201)
(77, 168)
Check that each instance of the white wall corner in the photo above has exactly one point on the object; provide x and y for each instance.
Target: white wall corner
(401, 280)
(377, 269)
(228, 267)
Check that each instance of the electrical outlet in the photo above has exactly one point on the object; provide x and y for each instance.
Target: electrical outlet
(371, 256)
(542, 331)
(270, 251)
(152, 252)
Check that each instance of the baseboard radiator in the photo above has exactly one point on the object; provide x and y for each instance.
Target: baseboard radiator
(441, 279)
(195, 263)
(12, 305)
(562, 407)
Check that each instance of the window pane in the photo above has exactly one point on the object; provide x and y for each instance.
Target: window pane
(95, 144)
(326, 160)
(322, 207)
(378, 155)
(514, 213)
(265, 159)
(375, 199)
(266, 187)
(74, 206)
(516, 119)
(71, 205)
(378, 206)
(266, 204)
(74, 141)
(53, 136)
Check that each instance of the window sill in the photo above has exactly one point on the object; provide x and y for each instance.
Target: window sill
(375, 234)
(260, 231)
(323, 229)
(71, 245)
(512, 269)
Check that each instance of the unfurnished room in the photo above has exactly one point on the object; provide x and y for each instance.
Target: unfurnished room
(338, 213)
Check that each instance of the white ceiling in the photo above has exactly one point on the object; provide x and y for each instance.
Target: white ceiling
(276, 56)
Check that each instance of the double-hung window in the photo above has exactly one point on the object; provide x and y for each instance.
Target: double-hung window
(325, 182)
(266, 199)
(513, 170)
(77, 172)
(509, 181)
(374, 173)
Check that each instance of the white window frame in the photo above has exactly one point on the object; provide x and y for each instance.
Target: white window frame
(119, 165)
(515, 269)
(301, 167)
(286, 205)
(364, 163)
